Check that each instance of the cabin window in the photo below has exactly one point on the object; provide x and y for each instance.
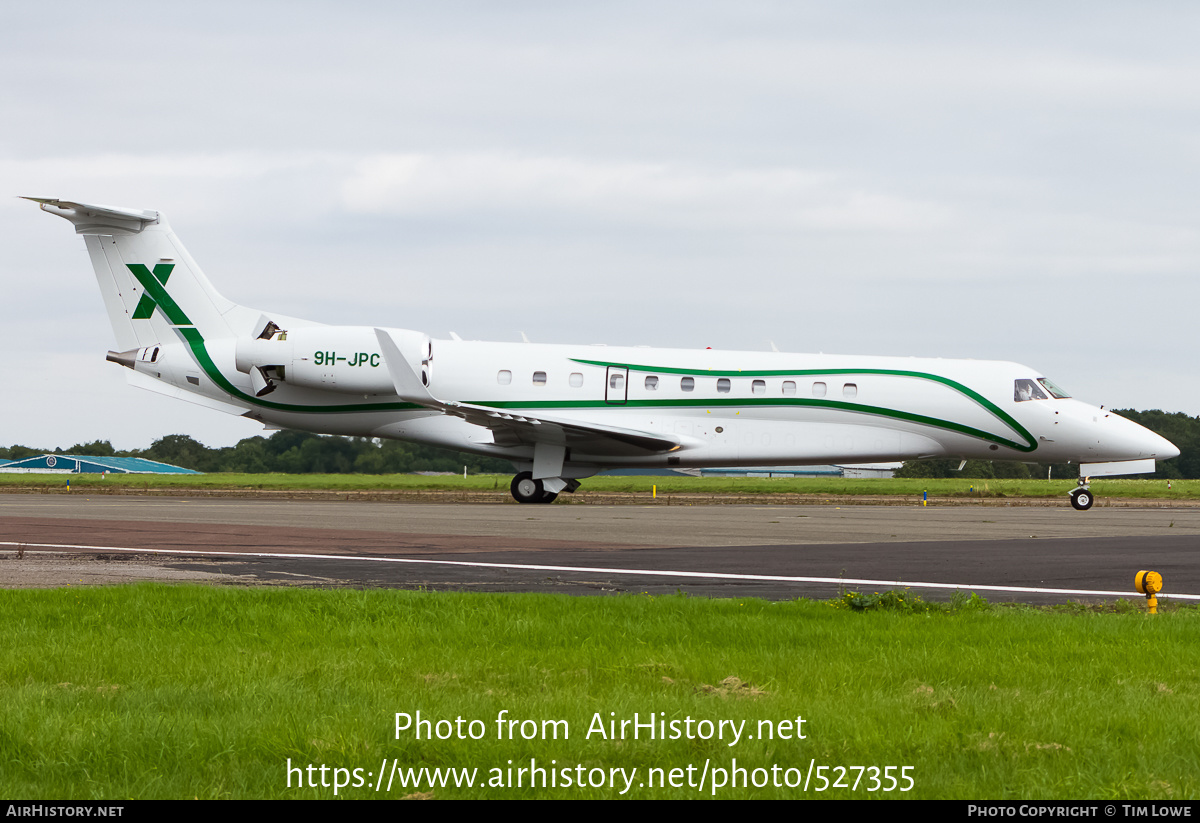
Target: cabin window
(1054, 390)
(504, 377)
(539, 378)
(723, 385)
(818, 389)
(1027, 390)
(789, 386)
(616, 381)
(576, 379)
(687, 383)
(850, 390)
(759, 387)
(651, 382)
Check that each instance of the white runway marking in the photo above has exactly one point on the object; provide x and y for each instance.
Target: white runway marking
(909, 584)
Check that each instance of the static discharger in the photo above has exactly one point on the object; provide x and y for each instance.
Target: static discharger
(1149, 584)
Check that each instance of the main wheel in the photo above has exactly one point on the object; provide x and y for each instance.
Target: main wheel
(1081, 499)
(527, 490)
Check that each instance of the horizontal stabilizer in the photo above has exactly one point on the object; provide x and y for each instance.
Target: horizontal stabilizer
(145, 381)
(95, 219)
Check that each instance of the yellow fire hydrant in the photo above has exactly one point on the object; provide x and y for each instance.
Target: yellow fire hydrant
(1149, 584)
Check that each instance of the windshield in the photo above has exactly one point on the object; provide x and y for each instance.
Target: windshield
(1054, 390)
(1026, 389)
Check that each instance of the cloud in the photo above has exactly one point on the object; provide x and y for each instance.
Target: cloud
(657, 194)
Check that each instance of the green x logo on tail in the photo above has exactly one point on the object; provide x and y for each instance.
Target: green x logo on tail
(145, 306)
(155, 295)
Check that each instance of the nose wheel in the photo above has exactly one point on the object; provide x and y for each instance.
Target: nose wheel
(1082, 497)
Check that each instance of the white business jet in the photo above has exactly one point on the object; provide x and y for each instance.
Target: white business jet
(562, 413)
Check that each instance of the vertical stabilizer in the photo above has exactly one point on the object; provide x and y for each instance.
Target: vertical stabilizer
(151, 285)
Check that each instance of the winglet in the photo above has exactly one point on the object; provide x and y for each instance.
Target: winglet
(408, 385)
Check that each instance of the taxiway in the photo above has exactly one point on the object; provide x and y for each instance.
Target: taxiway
(776, 552)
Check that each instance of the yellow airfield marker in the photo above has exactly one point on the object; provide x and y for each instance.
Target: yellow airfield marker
(1150, 584)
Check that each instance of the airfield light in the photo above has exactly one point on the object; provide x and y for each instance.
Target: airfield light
(1149, 584)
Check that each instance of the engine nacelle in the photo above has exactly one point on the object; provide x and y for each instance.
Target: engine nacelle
(333, 358)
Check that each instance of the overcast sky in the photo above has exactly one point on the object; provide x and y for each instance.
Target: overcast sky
(1010, 181)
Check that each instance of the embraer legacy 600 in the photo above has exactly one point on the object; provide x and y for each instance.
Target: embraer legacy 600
(562, 413)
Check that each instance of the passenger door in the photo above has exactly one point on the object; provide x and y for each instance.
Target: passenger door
(616, 386)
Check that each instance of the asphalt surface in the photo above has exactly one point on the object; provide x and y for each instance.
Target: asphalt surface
(597, 549)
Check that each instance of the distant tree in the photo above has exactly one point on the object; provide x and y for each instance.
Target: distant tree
(286, 439)
(181, 450)
(249, 456)
(97, 448)
(327, 455)
(945, 468)
(1010, 471)
(982, 469)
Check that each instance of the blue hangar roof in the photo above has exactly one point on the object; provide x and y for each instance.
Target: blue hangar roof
(86, 464)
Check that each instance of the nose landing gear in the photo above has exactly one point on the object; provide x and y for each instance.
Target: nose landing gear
(1081, 496)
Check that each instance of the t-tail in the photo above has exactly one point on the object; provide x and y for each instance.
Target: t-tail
(169, 321)
(180, 337)
(152, 287)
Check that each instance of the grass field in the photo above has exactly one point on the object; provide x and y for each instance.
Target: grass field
(938, 488)
(173, 692)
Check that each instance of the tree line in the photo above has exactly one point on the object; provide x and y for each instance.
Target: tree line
(296, 452)
(290, 452)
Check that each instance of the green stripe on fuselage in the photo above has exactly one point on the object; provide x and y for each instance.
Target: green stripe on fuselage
(195, 342)
(838, 405)
(994, 410)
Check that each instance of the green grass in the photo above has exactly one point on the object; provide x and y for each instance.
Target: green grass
(160, 691)
(833, 487)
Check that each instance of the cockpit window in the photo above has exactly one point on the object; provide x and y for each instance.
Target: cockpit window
(1027, 390)
(1054, 390)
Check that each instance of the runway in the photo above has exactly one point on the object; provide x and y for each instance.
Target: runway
(773, 552)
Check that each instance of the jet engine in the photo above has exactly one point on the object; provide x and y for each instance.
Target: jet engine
(331, 358)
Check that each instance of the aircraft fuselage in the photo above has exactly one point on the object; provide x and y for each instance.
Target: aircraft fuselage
(564, 412)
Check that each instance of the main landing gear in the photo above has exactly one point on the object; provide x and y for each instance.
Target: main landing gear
(1081, 496)
(525, 489)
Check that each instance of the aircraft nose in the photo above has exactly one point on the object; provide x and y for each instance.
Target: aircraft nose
(1165, 449)
(1145, 442)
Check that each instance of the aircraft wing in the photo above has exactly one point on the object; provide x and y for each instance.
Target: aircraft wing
(591, 438)
(510, 428)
